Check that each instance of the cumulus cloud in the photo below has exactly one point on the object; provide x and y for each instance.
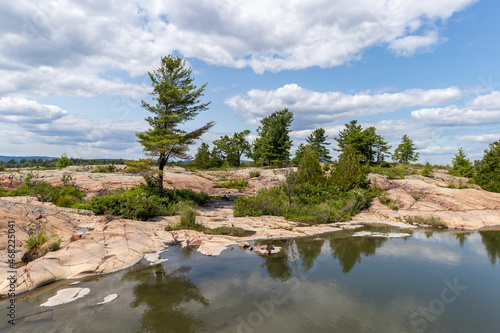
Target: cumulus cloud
(30, 122)
(314, 108)
(57, 47)
(479, 137)
(481, 110)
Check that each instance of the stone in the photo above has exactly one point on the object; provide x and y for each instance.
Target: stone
(108, 299)
(64, 296)
(244, 244)
(381, 234)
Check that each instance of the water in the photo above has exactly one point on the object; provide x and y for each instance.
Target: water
(433, 281)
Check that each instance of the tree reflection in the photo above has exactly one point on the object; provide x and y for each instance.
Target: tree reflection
(348, 251)
(462, 237)
(277, 265)
(308, 250)
(165, 295)
(491, 241)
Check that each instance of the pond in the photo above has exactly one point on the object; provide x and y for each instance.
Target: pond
(433, 281)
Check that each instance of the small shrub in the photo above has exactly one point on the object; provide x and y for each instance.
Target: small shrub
(229, 231)
(254, 174)
(432, 221)
(427, 170)
(233, 183)
(38, 244)
(110, 168)
(416, 195)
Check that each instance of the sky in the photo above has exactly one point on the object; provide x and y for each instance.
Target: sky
(74, 73)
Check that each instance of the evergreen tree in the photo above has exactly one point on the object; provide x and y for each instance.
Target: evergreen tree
(177, 101)
(348, 173)
(273, 143)
(202, 158)
(232, 148)
(488, 173)
(63, 162)
(364, 143)
(309, 170)
(317, 141)
(462, 166)
(406, 151)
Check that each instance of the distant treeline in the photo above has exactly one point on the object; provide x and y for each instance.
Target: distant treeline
(52, 163)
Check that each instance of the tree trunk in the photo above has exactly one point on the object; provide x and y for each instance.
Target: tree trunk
(161, 165)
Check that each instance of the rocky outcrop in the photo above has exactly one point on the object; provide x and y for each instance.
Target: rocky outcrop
(421, 197)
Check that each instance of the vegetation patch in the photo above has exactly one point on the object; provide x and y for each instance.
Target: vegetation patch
(254, 174)
(39, 243)
(142, 202)
(392, 172)
(432, 221)
(309, 196)
(229, 231)
(233, 183)
(110, 168)
(64, 195)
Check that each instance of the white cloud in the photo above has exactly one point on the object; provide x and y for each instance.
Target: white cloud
(409, 45)
(479, 137)
(28, 122)
(483, 109)
(65, 47)
(312, 108)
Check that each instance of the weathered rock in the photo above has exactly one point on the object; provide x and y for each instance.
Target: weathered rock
(420, 197)
(265, 250)
(66, 296)
(108, 299)
(381, 234)
(244, 244)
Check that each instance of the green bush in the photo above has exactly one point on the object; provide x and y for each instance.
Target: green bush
(348, 173)
(60, 195)
(39, 243)
(141, 202)
(110, 168)
(390, 172)
(254, 174)
(488, 172)
(427, 170)
(233, 183)
(432, 220)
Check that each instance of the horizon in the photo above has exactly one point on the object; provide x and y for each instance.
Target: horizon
(75, 75)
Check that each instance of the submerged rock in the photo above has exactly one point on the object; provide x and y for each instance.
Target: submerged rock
(154, 258)
(108, 299)
(381, 234)
(265, 250)
(64, 296)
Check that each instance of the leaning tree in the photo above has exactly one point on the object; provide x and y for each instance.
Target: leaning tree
(177, 101)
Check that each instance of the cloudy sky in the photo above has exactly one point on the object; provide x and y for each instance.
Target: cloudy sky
(74, 73)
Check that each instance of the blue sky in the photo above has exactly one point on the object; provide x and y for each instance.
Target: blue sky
(74, 74)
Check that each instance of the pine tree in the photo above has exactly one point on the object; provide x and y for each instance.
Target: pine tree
(462, 166)
(406, 151)
(317, 140)
(274, 143)
(366, 144)
(177, 101)
(488, 173)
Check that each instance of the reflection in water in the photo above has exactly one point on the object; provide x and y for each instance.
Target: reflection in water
(348, 251)
(309, 251)
(165, 295)
(491, 241)
(462, 237)
(277, 266)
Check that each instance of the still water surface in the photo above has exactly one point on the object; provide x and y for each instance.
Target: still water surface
(433, 281)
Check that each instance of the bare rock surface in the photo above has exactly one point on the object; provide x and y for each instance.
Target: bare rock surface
(421, 197)
(68, 295)
(381, 234)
